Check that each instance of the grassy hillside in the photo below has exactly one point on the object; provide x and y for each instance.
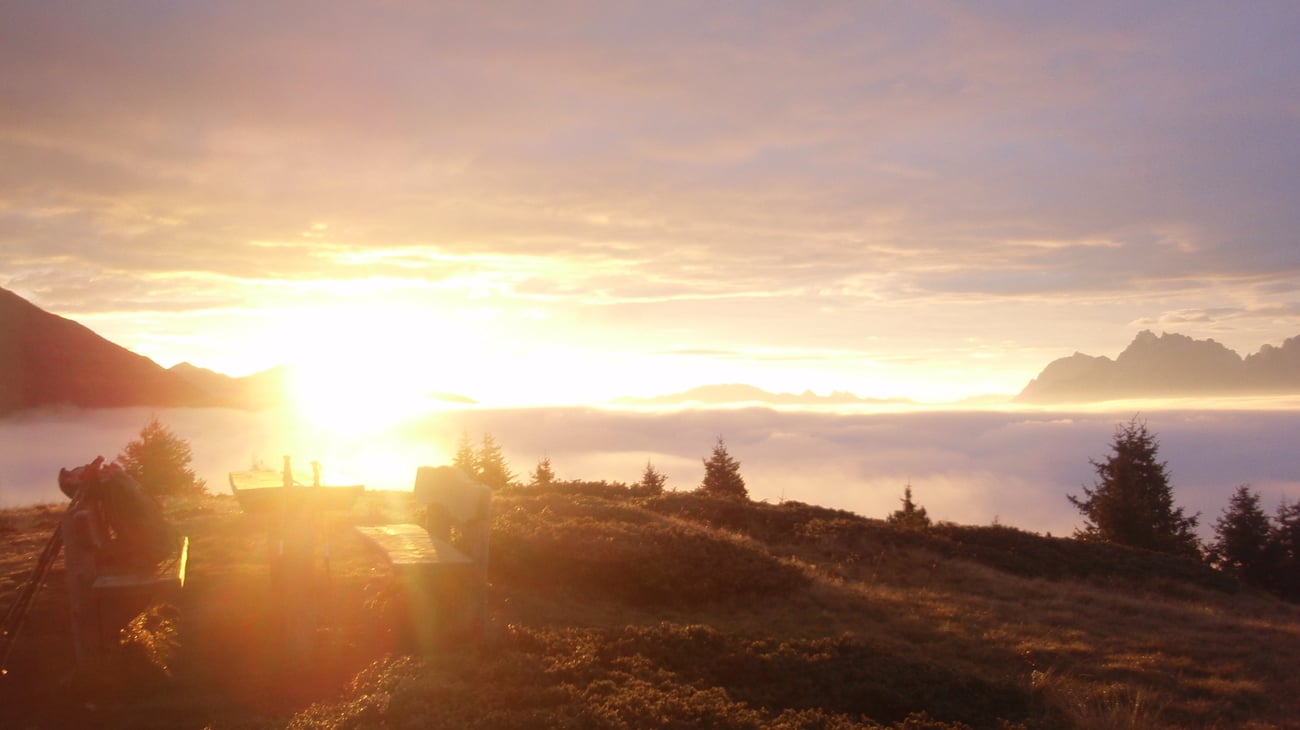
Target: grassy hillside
(609, 610)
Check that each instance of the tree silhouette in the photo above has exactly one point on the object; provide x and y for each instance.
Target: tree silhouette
(1132, 502)
(490, 464)
(1285, 538)
(464, 459)
(1243, 541)
(722, 474)
(160, 462)
(911, 516)
(652, 481)
(543, 475)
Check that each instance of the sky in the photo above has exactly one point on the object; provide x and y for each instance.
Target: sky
(568, 202)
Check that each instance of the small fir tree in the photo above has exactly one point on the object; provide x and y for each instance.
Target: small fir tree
(464, 459)
(722, 474)
(652, 481)
(543, 475)
(1132, 502)
(160, 462)
(911, 516)
(1243, 543)
(490, 464)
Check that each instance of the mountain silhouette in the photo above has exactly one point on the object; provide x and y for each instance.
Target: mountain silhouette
(1168, 365)
(46, 360)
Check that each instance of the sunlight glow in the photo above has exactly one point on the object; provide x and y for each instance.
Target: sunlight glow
(364, 369)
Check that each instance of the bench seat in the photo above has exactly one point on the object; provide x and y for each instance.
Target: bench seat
(444, 584)
(411, 546)
(119, 597)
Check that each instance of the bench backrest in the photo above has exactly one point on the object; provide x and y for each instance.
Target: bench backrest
(453, 499)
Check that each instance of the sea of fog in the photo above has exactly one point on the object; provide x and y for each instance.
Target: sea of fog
(972, 467)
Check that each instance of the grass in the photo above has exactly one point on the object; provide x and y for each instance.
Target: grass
(612, 610)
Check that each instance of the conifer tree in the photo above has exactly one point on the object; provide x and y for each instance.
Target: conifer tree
(722, 474)
(543, 475)
(1286, 543)
(911, 516)
(465, 459)
(490, 464)
(1243, 543)
(1132, 502)
(652, 481)
(160, 462)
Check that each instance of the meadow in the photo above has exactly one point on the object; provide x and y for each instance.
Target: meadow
(611, 610)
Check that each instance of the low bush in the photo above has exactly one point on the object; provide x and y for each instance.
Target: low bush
(669, 675)
(616, 550)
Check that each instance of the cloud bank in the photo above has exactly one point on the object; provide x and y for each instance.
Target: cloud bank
(971, 468)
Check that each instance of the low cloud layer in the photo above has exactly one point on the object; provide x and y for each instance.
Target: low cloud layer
(970, 468)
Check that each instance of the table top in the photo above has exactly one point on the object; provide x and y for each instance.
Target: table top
(261, 491)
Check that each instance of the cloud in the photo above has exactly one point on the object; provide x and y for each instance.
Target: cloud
(840, 170)
(968, 467)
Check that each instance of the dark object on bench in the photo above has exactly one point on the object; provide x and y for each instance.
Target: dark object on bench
(442, 565)
(121, 554)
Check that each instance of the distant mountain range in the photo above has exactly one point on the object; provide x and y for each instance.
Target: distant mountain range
(47, 360)
(1169, 365)
(735, 393)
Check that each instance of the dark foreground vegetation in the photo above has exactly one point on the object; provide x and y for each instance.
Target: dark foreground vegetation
(610, 609)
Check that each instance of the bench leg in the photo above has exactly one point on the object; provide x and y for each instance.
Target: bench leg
(444, 606)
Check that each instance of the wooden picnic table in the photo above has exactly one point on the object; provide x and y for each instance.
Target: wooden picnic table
(262, 491)
(293, 515)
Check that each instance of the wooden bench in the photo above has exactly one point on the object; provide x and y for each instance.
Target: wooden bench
(108, 576)
(120, 597)
(441, 566)
(297, 519)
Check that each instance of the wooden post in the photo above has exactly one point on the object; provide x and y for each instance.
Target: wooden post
(82, 540)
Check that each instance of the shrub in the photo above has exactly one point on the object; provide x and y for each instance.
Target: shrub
(652, 481)
(911, 516)
(543, 476)
(619, 551)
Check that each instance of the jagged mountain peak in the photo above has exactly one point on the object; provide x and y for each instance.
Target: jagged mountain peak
(1166, 365)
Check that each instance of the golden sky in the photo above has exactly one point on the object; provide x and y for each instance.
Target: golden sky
(568, 202)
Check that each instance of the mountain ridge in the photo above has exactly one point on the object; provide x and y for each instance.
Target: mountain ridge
(1168, 365)
(48, 360)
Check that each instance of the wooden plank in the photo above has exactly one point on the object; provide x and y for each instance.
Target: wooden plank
(410, 545)
(262, 499)
(256, 479)
(169, 574)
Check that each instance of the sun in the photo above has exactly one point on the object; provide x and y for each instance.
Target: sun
(360, 370)
(349, 394)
